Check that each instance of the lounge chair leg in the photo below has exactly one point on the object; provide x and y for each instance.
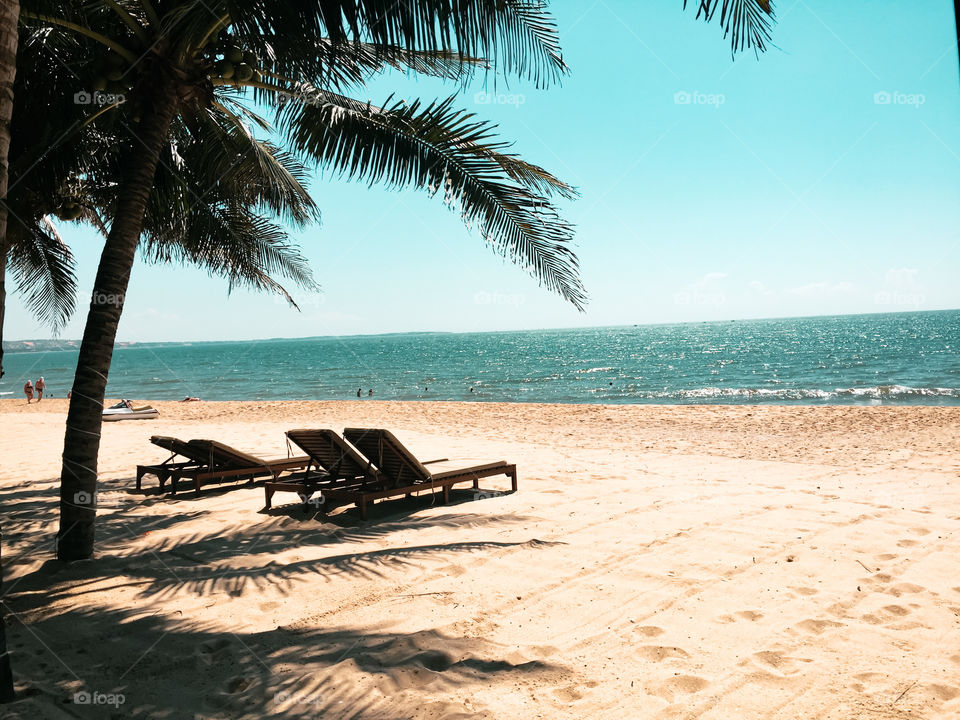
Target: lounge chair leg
(513, 478)
(476, 483)
(446, 494)
(363, 508)
(269, 496)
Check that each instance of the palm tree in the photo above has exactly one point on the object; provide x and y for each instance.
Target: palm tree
(75, 181)
(9, 12)
(190, 66)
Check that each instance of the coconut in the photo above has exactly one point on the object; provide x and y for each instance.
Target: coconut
(224, 68)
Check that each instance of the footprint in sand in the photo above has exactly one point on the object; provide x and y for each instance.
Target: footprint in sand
(805, 591)
(919, 531)
(816, 627)
(905, 588)
(238, 684)
(907, 543)
(750, 615)
(650, 630)
(943, 692)
(778, 663)
(568, 694)
(658, 653)
(895, 610)
(886, 557)
(679, 685)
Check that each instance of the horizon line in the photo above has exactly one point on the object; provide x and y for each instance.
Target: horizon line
(76, 343)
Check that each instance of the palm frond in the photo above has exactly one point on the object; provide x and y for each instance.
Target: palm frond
(437, 147)
(516, 36)
(43, 268)
(748, 23)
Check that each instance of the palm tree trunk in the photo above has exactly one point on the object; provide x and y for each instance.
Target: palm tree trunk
(9, 15)
(78, 478)
(6, 674)
(956, 19)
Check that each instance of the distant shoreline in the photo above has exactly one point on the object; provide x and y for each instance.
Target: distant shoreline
(51, 345)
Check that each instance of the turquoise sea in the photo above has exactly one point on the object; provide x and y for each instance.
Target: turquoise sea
(898, 358)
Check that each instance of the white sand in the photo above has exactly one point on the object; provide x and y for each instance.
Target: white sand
(657, 562)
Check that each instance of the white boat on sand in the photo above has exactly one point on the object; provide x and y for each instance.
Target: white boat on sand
(126, 410)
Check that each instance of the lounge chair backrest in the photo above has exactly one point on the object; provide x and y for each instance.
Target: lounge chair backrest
(389, 455)
(224, 455)
(180, 447)
(332, 453)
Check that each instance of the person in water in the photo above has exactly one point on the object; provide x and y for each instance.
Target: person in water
(370, 392)
(40, 386)
(28, 391)
(359, 392)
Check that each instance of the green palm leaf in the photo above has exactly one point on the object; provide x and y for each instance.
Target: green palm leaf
(748, 23)
(437, 147)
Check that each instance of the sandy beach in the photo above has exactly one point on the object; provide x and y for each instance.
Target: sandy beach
(656, 562)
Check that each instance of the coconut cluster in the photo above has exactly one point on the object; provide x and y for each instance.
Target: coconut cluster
(232, 62)
(111, 75)
(69, 211)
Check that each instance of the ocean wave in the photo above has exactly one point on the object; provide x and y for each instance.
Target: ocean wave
(596, 369)
(880, 392)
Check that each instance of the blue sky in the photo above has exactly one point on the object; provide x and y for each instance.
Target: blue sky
(823, 178)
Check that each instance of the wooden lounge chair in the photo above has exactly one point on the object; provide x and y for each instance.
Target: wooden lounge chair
(168, 467)
(400, 473)
(332, 460)
(212, 461)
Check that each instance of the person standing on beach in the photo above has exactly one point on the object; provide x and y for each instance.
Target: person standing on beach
(28, 391)
(40, 386)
